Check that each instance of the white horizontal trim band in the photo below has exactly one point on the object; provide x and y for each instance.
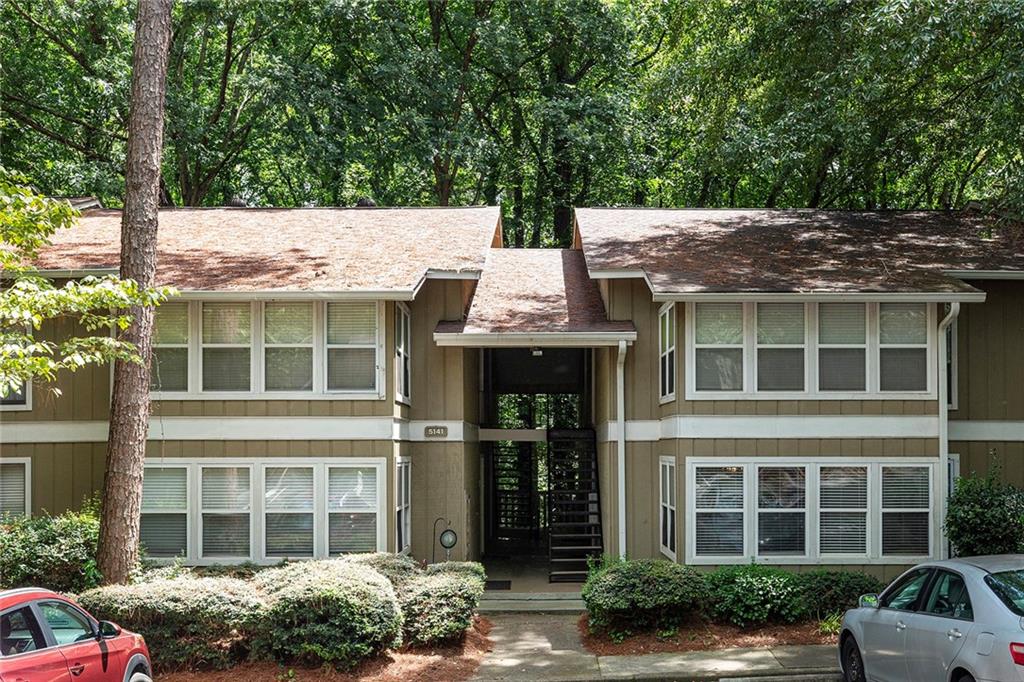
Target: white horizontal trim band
(789, 426)
(987, 430)
(243, 428)
(544, 339)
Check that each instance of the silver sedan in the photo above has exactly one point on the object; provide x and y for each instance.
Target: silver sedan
(960, 620)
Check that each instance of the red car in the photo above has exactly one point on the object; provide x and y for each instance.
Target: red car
(45, 637)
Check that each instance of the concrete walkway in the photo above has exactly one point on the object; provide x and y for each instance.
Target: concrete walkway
(532, 646)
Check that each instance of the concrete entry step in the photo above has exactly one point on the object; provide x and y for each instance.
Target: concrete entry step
(531, 602)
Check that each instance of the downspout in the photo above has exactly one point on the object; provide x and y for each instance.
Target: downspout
(954, 311)
(620, 442)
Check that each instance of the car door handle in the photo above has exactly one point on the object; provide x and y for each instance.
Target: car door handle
(77, 669)
(954, 634)
(900, 625)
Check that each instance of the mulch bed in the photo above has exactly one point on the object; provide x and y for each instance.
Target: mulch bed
(703, 637)
(455, 662)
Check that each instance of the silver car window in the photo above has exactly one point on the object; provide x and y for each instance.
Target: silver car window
(949, 597)
(905, 595)
(1009, 587)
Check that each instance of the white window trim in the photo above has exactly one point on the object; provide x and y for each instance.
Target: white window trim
(27, 463)
(262, 361)
(667, 312)
(403, 353)
(23, 407)
(403, 504)
(256, 357)
(813, 556)
(749, 348)
(667, 463)
(257, 491)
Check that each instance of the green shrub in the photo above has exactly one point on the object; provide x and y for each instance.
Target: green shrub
(56, 552)
(333, 611)
(188, 622)
(469, 568)
(439, 607)
(753, 595)
(395, 567)
(828, 592)
(626, 596)
(985, 516)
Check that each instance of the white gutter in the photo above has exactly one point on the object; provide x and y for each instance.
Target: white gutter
(954, 311)
(620, 446)
(924, 296)
(539, 339)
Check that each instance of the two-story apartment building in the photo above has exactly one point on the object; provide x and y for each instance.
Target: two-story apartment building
(789, 387)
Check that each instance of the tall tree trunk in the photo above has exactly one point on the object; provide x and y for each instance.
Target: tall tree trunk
(129, 411)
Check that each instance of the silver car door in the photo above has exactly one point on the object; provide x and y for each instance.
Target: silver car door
(885, 630)
(938, 631)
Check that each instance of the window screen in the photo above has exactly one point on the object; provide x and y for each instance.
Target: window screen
(718, 348)
(906, 504)
(169, 367)
(226, 501)
(227, 340)
(288, 346)
(351, 346)
(352, 509)
(719, 511)
(843, 510)
(164, 529)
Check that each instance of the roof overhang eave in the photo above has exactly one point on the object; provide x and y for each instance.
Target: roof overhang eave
(975, 296)
(61, 273)
(272, 294)
(986, 274)
(533, 339)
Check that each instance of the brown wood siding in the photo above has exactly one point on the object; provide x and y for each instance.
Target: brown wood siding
(439, 382)
(990, 354)
(445, 484)
(980, 457)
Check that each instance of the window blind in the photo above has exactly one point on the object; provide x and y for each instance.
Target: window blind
(12, 488)
(289, 535)
(719, 324)
(842, 369)
(842, 323)
(164, 535)
(165, 488)
(226, 364)
(842, 352)
(352, 488)
(903, 323)
(351, 323)
(226, 495)
(843, 493)
(227, 323)
(288, 323)
(719, 533)
(349, 491)
(171, 324)
(226, 488)
(169, 366)
(352, 533)
(350, 369)
(289, 488)
(164, 522)
(906, 500)
(903, 369)
(781, 532)
(780, 323)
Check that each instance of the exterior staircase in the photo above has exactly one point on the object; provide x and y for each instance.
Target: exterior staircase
(574, 504)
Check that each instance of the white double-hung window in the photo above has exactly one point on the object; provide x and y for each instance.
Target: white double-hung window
(164, 527)
(169, 367)
(667, 505)
(780, 346)
(403, 507)
(903, 346)
(667, 352)
(352, 509)
(351, 346)
(226, 503)
(288, 347)
(403, 343)
(288, 509)
(842, 347)
(15, 486)
(794, 510)
(719, 347)
(227, 346)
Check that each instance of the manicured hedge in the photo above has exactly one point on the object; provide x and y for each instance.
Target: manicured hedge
(395, 567)
(985, 516)
(188, 622)
(470, 568)
(57, 552)
(438, 607)
(335, 611)
(754, 595)
(626, 596)
(826, 593)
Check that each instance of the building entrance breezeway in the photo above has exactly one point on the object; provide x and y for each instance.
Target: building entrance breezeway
(541, 492)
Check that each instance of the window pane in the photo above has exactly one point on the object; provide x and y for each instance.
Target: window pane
(351, 323)
(780, 369)
(171, 324)
(905, 595)
(905, 487)
(225, 369)
(226, 488)
(780, 533)
(719, 369)
(24, 629)
(289, 369)
(289, 488)
(903, 322)
(12, 488)
(841, 369)
(168, 370)
(843, 533)
(904, 369)
(351, 369)
(352, 488)
(719, 487)
(719, 534)
(225, 535)
(780, 323)
(164, 488)
(289, 535)
(841, 323)
(68, 624)
(19, 397)
(352, 533)
(164, 535)
(844, 487)
(719, 323)
(905, 533)
(781, 488)
(949, 597)
(226, 323)
(288, 323)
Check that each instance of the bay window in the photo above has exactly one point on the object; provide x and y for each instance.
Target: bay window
(825, 351)
(227, 341)
(795, 510)
(169, 366)
(288, 346)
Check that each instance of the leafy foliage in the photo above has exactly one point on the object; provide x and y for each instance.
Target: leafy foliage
(439, 606)
(466, 568)
(397, 568)
(754, 595)
(188, 621)
(27, 222)
(985, 516)
(829, 592)
(56, 552)
(629, 595)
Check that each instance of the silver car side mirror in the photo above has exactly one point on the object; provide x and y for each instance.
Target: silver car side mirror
(868, 601)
